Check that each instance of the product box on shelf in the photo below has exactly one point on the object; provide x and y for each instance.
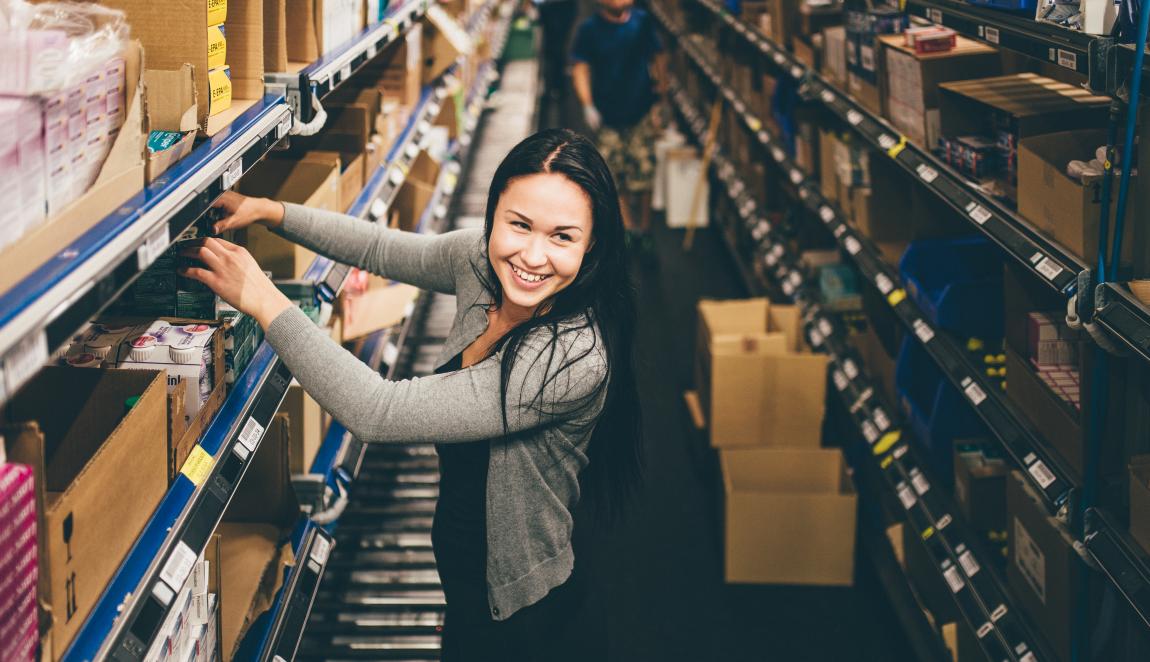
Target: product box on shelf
(369, 303)
(980, 490)
(790, 516)
(18, 563)
(444, 41)
(217, 46)
(346, 136)
(275, 38)
(318, 27)
(834, 60)
(120, 176)
(415, 193)
(99, 475)
(172, 110)
(1041, 566)
(174, 34)
(864, 62)
(253, 553)
(757, 382)
(912, 80)
(1065, 208)
(311, 183)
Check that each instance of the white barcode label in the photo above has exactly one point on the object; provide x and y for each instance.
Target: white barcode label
(153, 247)
(934, 15)
(923, 331)
(1048, 268)
(778, 154)
(179, 564)
(979, 213)
(943, 522)
(737, 187)
(251, 434)
(770, 260)
(739, 27)
(796, 176)
(850, 369)
(906, 496)
(788, 289)
(396, 176)
(816, 337)
(372, 51)
(969, 565)
(232, 173)
(320, 549)
(390, 354)
(1028, 657)
(852, 245)
(24, 360)
(283, 128)
(840, 231)
(898, 452)
(854, 117)
(921, 485)
(870, 432)
(345, 72)
(795, 278)
(764, 137)
(827, 214)
(991, 34)
(796, 71)
(762, 228)
(748, 209)
(884, 283)
(926, 173)
(974, 393)
(886, 142)
(985, 630)
(778, 250)
(740, 107)
(996, 616)
(378, 208)
(881, 420)
(1067, 59)
(1041, 474)
(840, 380)
(826, 327)
(779, 57)
(953, 579)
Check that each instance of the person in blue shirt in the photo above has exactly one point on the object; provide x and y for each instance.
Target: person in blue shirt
(619, 75)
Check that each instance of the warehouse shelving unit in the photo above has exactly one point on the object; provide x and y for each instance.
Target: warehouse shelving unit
(124, 620)
(1110, 548)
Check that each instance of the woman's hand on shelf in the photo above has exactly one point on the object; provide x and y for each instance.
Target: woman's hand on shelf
(242, 211)
(235, 276)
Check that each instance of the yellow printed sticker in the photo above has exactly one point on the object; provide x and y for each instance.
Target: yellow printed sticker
(896, 297)
(893, 152)
(394, 26)
(889, 439)
(928, 533)
(886, 462)
(198, 465)
(754, 124)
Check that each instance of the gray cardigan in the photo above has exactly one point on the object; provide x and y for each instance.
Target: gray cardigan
(532, 483)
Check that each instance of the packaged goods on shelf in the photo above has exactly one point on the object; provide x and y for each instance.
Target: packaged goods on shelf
(929, 39)
(74, 428)
(834, 62)
(171, 117)
(1140, 500)
(757, 382)
(317, 27)
(217, 12)
(863, 29)
(912, 79)
(217, 46)
(347, 137)
(980, 491)
(186, 633)
(19, 633)
(1042, 565)
(1050, 342)
(789, 516)
(220, 90)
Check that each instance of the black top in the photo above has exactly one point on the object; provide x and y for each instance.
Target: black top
(459, 533)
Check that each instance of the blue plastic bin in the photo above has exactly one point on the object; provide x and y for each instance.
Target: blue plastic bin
(936, 411)
(957, 283)
(1027, 6)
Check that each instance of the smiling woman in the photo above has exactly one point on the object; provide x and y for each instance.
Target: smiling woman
(534, 401)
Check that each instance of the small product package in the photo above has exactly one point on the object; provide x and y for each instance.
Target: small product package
(184, 350)
(220, 88)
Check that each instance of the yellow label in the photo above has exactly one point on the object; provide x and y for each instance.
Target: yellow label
(217, 12)
(754, 124)
(217, 47)
(897, 149)
(198, 465)
(886, 462)
(220, 84)
(896, 297)
(928, 533)
(889, 439)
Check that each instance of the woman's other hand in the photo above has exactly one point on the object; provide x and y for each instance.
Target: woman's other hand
(233, 274)
(242, 211)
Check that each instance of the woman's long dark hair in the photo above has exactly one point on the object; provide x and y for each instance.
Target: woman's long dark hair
(601, 295)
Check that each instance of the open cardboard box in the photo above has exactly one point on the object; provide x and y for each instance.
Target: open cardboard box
(121, 177)
(379, 305)
(314, 183)
(757, 382)
(254, 537)
(174, 33)
(347, 136)
(171, 107)
(444, 40)
(416, 193)
(99, 475)
(790, 516)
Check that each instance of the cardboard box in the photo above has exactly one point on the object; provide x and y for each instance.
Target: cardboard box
(757, 383)
(1064, 208)
(275, 42)
(252, 557)
(245, 30)
(444, 40)
(312, 183)
(120, 177)
(380, 305)
(346, 136)
(416, 193)
(687, 193)
(1043, 567)
(789, 517)
(980, 490)
(1140, 500)
(868, 94)
(305, 427)
(834, 61)
(70, 426)
(912, 82)
(171, 107)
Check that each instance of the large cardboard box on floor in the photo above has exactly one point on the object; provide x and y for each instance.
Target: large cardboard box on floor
(253, 538)
(313, 182)
(912, 82)
(1064, 208)
(757, 382)
(1042, 566)
(100, 472)
(789, 516)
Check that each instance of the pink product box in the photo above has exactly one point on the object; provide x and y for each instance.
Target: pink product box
(10, 223)
(18, 569)
(33, 60)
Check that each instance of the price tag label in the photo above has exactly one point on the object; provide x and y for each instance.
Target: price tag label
(906, 496)
(795, 278)
(24, 360)
(770, 259)
(1048, 268)
(943, 522)
(826, 213)
(870, 432)
(970, 566)
(740, 107)
(923, 331)
(283, 128)
(973, 392)
(320, 550)
(816, 337)
(978, 213)
(797, 71)
(884, 283)
(919, 481)
(990, 34)
(345, 72)
(881, 420)
(378, 208)
(926, 173)
(1042, 475)
(153, 247)
(778, 154)
(178, 566)
(372, 50)
(396, 176)
(796, 176)
(934, 15)
(232, 173)
(841, 381)
(854, 117)
(779, 58)
(852, 245)
(953, 579)
(850, 369)
(763, 228)
(827, 96)
(764, 137)
(886, 142)
(826, 327)
(788, 289)
(898, 452)
(390, 354)
(251, 434)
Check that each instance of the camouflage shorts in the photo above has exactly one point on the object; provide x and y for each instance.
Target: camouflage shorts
(630, 153)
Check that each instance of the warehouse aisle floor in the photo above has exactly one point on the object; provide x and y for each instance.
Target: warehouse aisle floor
(658, 590)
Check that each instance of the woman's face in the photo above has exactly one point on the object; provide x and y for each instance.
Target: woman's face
(540, 233)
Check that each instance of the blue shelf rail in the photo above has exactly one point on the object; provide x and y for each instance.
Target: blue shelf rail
(44, 310)
(978, 593)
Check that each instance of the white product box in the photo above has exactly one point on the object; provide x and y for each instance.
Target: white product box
(184, 351)
(10, 190)
(683, 167)
(33, 195)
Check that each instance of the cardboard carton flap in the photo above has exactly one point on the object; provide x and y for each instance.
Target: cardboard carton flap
(250, 558)
(171, 99)
(774, 470)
